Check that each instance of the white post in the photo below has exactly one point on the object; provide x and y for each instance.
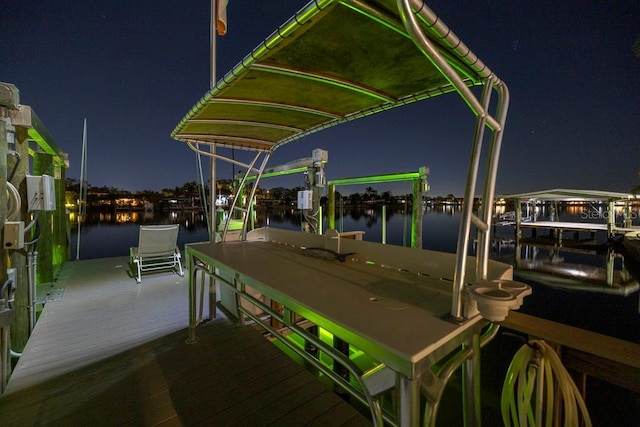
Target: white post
(212, 83)
(384, 224)
(213, 194)
(82, 195)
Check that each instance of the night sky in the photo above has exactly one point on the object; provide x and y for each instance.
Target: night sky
(133, 69)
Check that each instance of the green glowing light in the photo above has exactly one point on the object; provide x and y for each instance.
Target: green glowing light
(394, 28)
(278, 173)
(376, 179)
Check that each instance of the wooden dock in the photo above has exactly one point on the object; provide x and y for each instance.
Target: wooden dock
(107, 351)
(576, 226)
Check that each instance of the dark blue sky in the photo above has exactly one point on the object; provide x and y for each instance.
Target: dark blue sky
(134, 69)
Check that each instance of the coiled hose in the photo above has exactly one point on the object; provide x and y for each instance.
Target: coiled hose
(13, 202)
(528, 390)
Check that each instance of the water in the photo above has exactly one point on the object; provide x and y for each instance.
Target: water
(112, 234)
(106, 235)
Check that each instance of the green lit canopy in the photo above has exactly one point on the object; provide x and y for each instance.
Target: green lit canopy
(332, 62)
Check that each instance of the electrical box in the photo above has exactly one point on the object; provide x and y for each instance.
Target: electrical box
(41, 193)
(305, 199)
(13, 236)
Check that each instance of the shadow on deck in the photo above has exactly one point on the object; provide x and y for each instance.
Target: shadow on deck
(111, 352)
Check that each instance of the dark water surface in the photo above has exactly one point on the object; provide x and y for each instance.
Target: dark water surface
(108, 235)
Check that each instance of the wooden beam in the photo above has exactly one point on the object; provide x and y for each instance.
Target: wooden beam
(610, 359)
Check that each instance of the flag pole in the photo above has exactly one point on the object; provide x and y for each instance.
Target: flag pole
(82, 197)
(212, 83)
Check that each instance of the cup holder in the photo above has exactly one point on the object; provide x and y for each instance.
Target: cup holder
(494, 298)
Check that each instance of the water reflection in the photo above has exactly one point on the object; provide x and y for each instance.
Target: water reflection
(440, 226)
(111, 234)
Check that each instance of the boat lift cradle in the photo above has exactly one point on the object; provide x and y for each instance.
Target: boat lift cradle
(336, 61)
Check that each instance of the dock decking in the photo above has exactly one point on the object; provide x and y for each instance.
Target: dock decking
(111, 352)
(575, 226)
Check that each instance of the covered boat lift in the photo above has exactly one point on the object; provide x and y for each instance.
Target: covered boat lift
(333, 62)
(539, 212)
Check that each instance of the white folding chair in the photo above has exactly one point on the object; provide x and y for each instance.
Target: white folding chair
(157, 250)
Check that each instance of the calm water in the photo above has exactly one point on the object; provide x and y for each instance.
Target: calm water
(110, 235)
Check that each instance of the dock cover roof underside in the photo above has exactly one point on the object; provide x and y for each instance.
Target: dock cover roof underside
(334, 61)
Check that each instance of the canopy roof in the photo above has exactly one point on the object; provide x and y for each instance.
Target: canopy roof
(339, 60)
(332, 62)
(564, 194)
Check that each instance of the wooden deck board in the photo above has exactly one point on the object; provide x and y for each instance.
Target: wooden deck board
(111, 352)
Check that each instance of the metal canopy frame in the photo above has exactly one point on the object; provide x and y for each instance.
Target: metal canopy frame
(569, 195)
(339, 60)
(303, 165)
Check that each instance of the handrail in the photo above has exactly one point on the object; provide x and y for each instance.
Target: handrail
(364, 396)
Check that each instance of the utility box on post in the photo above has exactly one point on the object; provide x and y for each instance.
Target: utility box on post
(13, 236)
(41, 193)
(305, 199)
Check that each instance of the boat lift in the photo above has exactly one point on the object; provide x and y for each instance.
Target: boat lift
(599, 218)
(420, 186)
(308, 201)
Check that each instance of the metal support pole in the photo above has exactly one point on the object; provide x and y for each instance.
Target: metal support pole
(212, 83)
(471, 385)
(611, 218)
(467, 213)
(416, 214)
(384, 224)
(610, 267)
(488, 196)
(82, 196)
(212, 298)
(409, 401)
(191, 284)
(331, 214)
(212, 41)
(32, 259)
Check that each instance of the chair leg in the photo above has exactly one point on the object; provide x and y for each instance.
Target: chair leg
(139, 277)
(177, 260)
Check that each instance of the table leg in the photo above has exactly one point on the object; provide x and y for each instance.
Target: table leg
(191, 283)
(212, 295)
(471, 384)
(408, 401)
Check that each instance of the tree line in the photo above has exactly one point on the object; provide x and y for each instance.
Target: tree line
(225, 187)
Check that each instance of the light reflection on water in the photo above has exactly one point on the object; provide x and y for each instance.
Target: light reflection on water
(112, 234)
(105, 235)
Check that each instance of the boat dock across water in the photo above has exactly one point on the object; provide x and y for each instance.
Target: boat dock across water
(584, 253)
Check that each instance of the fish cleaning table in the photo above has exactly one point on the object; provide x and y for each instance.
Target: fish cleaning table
(395, 317)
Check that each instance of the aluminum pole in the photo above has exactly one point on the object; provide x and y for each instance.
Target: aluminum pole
(82, 195)
(212, 83)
